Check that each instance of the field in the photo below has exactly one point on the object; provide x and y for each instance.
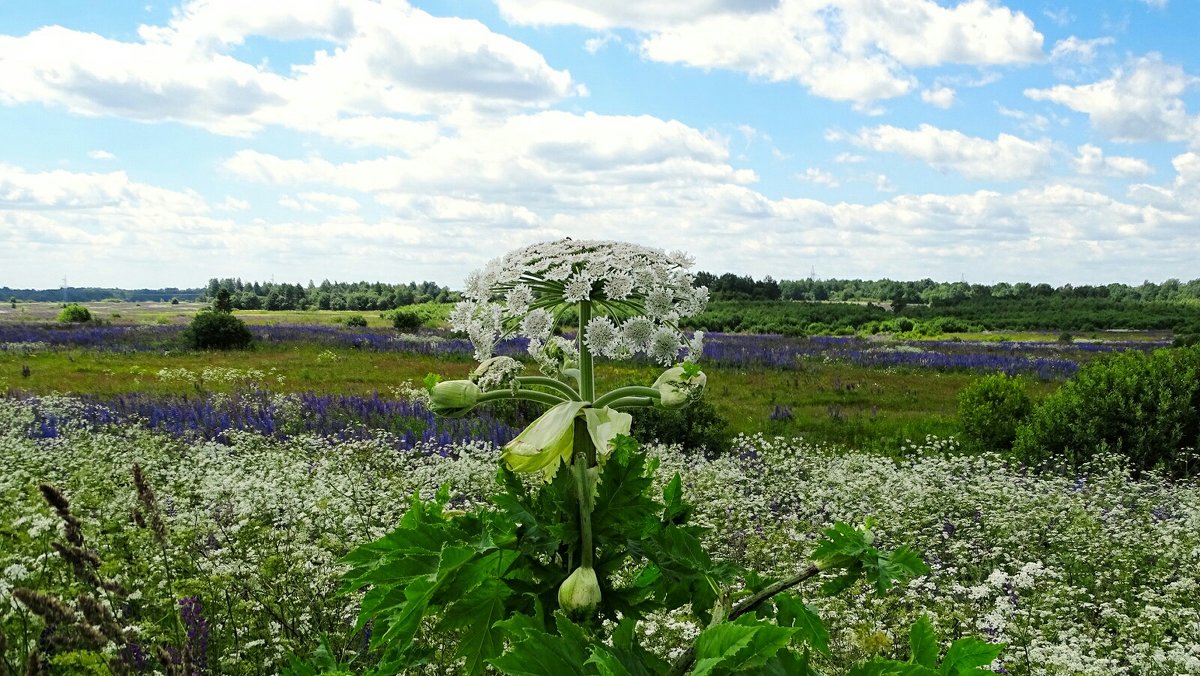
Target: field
(263, 467)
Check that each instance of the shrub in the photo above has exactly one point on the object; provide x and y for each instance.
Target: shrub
(74, 313)
(1143, 406)
(989, 410)
(213, 329)
(696, 426)
(356, 320)
(406, 320)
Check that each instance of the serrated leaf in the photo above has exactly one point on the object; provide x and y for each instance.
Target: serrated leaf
(923, 642)
(792, 612)
(966, 654)
(542, 654)
(417, 595)
(675, 510)
(747, 643)
(842, 539)
(474, 617)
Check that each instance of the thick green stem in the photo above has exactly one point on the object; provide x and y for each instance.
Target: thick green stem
(587, 385)
(632, 402)
(684, 661)
(582, 450)
(541, 397)
(607, 398)
(552, 383)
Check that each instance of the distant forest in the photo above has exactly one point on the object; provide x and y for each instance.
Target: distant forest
(726, 287)
(926, 291)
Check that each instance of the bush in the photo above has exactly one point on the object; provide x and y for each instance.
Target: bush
(989, 410)
(1143, 406)
(213, 329)
(695, 427)
(74, 313)
(406, 320)
(356, 320)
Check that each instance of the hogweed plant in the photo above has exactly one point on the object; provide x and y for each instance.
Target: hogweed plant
(577, 546)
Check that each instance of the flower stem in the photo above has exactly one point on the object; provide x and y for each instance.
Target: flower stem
(607, 398)
(584, 454)
(557, 385)
(541, 397)
(587, 386)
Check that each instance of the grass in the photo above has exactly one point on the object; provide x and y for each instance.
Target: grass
(127, 313)
(828, 402)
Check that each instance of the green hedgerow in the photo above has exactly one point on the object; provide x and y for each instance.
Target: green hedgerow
(357, 321)
(989, 411)
(1145, 407)
(74, 313)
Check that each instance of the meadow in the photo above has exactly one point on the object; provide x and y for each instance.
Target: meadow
(218, 491)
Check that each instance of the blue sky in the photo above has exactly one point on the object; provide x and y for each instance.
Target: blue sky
(160, 144)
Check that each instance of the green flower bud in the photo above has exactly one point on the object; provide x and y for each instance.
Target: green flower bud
(580, 593)
(454, 398)
(677, 388)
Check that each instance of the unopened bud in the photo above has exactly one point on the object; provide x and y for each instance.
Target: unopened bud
(454, 398)
(580, 593)
(677, 388)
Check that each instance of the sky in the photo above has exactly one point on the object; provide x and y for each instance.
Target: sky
(152, 144)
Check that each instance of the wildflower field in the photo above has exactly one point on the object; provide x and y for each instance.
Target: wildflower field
(165, 510)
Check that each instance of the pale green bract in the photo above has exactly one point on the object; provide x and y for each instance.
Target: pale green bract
(638, 295)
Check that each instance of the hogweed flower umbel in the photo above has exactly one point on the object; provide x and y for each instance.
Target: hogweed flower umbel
(637, 296)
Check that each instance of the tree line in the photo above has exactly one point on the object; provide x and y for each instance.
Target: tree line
(729, 286)
(327, 295)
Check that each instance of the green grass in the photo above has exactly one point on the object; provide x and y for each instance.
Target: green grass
(836, 403)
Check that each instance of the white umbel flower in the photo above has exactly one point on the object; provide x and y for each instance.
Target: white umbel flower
(602, 336)
(639, 293)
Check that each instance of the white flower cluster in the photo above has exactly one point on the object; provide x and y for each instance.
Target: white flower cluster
(637, 297)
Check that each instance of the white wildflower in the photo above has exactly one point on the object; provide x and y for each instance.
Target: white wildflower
(636, 332)
(537, 324)
(578, 289)
(602, 336)
(518, 300)
(664, 346)
(618, 287)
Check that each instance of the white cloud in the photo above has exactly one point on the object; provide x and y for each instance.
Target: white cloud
(1083, 51)
(101, 155)
(1140, 102)
(820, 177)
(314, 202)
(1032, 121)
(543, 156)
(849, 158)
(848, 50)
(1006, 158)
(884, 184)
(1092, 161)
(231, 203)
(391, 63)
(940, 97)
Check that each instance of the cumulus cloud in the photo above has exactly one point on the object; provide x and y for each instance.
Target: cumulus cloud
(1092, 161)
(940, 97)
(1083, 51)
(101, 155)
(848, 50)
(389, 66)
(820, 177)
(1141, 101)
(1006, 158)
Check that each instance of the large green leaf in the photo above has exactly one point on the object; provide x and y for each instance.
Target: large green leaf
(966, 654)
(792, 612)
(923, 642)
(417, 594)
(748, 643)
(474, 616)
(533, 652)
